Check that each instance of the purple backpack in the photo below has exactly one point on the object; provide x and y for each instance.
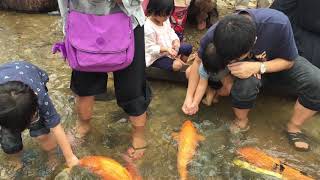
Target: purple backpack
(96, 43)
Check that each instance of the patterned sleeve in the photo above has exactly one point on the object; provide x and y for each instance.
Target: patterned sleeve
(48, 112)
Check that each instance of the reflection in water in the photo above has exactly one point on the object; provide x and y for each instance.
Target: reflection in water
(30, 36)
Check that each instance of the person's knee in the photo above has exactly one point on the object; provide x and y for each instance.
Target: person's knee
(11, 142)
(47, 142)
(177, 65)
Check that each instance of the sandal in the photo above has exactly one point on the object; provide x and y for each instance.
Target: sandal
(134, 150)
(295, 137)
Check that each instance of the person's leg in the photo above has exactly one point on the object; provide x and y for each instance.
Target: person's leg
(134, 95)
(165, 63)
(306, 78)
(243, 94)
(85, 85)
(84, 108)
(193, 80)
(11, 144)
(210, 95)
(177, 65)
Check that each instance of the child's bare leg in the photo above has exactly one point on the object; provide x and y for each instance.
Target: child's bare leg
(49, 144)
(210, 93)
(177, 65)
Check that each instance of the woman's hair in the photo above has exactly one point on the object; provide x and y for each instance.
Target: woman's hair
(212, 62)
(160, 7)
(18, 104)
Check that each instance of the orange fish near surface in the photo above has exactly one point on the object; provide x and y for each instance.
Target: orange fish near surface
(188, 140)
(264, 161)
(106, 168)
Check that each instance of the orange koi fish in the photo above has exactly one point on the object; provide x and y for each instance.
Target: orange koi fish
(264, 161)
(187, 139)
(106, 168)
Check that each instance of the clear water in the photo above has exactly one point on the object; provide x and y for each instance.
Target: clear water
(30, 36)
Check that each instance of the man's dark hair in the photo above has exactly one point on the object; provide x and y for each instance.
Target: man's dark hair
(160, 7)
(18, 104)
(234, 36)
(211, 61)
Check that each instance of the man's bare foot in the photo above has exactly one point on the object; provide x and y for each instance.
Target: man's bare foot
(82, 128)
(202, 25)
(238, 127)
(77, 134)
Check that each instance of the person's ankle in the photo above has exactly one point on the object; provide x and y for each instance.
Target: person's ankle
(242, 123)
(291, 127)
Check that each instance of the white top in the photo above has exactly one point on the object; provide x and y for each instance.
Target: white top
(156, 36)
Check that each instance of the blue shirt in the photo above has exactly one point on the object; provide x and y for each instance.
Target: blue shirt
(274, 36)
(36, 78)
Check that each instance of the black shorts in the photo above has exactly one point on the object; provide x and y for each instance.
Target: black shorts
(11, 142)
(132, 91)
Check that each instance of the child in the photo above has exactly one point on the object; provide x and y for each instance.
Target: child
(214, 83)
(203, 12)
(25, 103)
(178, 17)
(162, 44)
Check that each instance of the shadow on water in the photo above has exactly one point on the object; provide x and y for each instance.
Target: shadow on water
(25, 36)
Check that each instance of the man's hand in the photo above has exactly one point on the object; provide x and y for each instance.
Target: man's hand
(244, 70)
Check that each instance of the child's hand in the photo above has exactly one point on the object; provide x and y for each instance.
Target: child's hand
(194, 108)
(176, 45)
(72, 161)
(172, 52)
(189, 107)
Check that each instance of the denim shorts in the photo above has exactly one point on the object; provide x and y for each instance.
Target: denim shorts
(303, 78)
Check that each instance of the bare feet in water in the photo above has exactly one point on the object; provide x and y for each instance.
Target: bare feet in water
(77, 134)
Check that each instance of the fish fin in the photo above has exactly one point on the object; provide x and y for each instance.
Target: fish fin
(201, 138)
(175, 136)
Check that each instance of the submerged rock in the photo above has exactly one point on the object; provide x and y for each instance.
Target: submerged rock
(29, 5)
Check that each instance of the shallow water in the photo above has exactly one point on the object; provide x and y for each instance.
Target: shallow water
(30, 36)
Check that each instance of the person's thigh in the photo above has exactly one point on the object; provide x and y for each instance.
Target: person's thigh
(165, 63)
(131, 89)
(88, 83)
(11, 142)
(305, 77)
(244, 92)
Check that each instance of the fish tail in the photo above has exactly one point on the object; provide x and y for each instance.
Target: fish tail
(183, 172)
